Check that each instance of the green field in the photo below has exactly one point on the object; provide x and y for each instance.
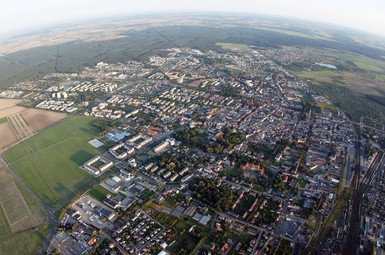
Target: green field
(3, 120)
(99, 193)
(24, 243)
(233, 46)
(3, 225)
(49, 162)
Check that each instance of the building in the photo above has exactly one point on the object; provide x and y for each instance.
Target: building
(161, 147)
(97, 165)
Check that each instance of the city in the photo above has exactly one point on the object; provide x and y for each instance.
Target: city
(217, 152)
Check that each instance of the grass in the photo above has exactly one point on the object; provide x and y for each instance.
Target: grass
(298, 34)
(168, 220)
(302, 184)
(17, 208)
(233, 46)
(3, 225)
(183, 225)
(3, 120)
(99, 193)
(23, 243)
(49, 162)
(184, 242)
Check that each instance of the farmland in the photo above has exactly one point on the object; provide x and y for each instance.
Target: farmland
(40, 119)
(7, 137)
(21, 218)
(17, 122)
(26, 242)
(234, 46)
(19, 126)
(49, 162)
(18, 211)
(3, 225)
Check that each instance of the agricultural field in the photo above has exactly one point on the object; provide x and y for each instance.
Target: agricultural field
(49, 161)
(7, 136)
(17, 122)
(40, 119)
(3, 225)
(19, 126)
(233, 46)
(23, 243)
(9, 107)
(21, 218)
(359, 73)
(18, 213)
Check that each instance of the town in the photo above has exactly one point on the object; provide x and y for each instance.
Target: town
(217, 152)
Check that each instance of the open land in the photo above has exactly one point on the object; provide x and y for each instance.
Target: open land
(8, 103)
(26, 242)
(7, 136)
(18, 122)
(234, 46)
(21, 218)
(49, 162)
(19, 126)
(359, 73)
(40, 119)
(20, 213)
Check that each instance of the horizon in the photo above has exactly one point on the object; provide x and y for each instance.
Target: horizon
(355, 15)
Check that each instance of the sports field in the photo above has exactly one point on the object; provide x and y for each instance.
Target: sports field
(49, 161)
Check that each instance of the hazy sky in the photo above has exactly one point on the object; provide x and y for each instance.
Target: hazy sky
(24, 14)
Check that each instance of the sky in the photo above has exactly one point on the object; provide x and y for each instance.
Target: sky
(17, 15)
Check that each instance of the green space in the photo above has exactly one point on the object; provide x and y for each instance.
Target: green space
(184, 244)
(23, 243)
(99, 193)
(208, 191)
(344, 58)
(49, 162)
(147, 194)
(166, 220)
(304, 34)
(233, 46)
(3, 120)
(3, 225)
(302, 184)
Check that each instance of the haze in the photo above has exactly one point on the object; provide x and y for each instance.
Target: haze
(18, 15)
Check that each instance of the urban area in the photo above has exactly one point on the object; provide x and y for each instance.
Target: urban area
(217, 152)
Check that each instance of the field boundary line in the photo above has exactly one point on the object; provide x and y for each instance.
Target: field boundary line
(10, 121)
(8, 226)
(26, 127)
(20, 220)
(22, 198)
(5, 214)
(30, 213)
